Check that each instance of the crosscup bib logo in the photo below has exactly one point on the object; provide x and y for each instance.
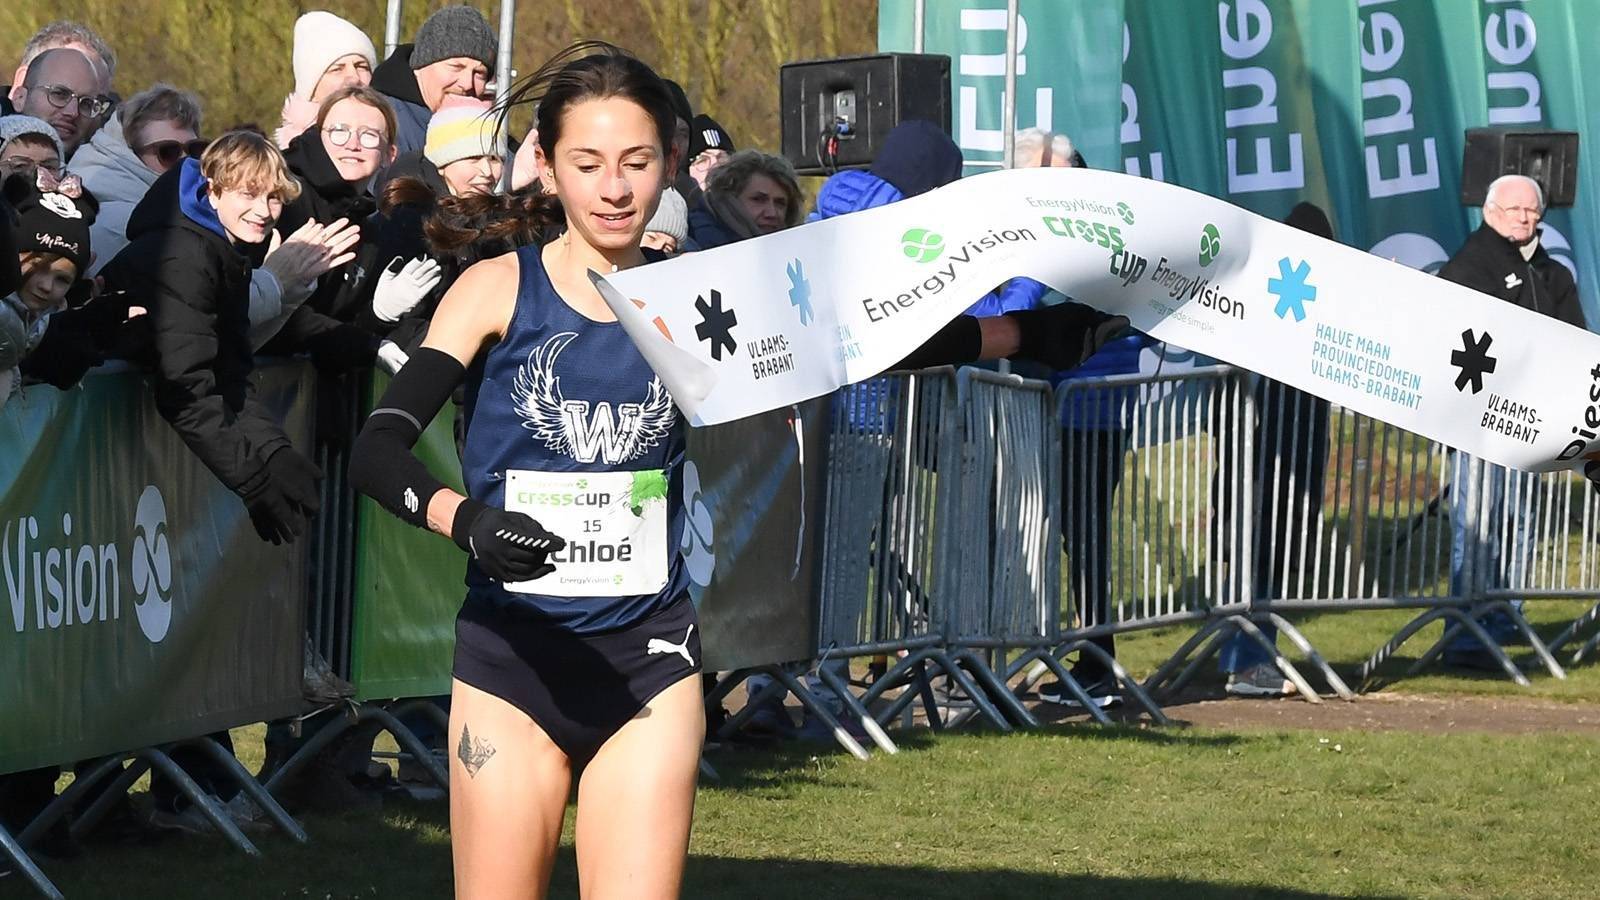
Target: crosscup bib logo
(699, 533)
(66, 581)
(1210, 245)
(1291, 289)
(583, 430)
(922, 245)
(152, 565)
(1473, 360)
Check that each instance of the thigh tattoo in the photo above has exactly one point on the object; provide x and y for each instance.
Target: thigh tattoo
(473, 752)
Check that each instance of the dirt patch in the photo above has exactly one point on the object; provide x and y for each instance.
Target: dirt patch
(1380, 712)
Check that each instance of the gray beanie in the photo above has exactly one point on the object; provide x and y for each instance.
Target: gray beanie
(672, 217)
(455, 31)
(13, 127)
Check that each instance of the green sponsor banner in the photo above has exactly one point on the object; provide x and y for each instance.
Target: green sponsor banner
(409, 586)
(754, 491)
(141, 606)
(1360, 108)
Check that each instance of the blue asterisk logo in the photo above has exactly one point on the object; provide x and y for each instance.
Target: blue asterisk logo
(1291, 289)
(800, 292)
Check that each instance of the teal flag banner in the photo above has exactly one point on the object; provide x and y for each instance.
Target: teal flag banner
(1360, 108)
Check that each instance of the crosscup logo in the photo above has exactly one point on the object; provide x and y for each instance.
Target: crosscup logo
(922, 245)
(152, 565)
(65, 581)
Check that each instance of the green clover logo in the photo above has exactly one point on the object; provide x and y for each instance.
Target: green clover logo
(1126, 212)
(922, 245)
(583, 484)
(1210, 245)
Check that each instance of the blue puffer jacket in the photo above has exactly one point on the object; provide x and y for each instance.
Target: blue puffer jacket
(1099, 408)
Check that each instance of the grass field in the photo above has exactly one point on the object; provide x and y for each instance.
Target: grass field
(1067, 811)
(1072, 811)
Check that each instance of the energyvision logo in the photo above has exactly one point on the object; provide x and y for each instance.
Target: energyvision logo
(879, 309)
(66, 580)
(922, 245)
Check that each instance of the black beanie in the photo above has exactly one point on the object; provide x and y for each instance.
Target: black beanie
(52, 222)
(917, 157)
(705, 134)
(1309, 217)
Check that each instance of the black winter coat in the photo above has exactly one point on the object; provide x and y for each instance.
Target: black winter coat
(196, 285)
(399, 234)
(1492, 265)
(320, 326)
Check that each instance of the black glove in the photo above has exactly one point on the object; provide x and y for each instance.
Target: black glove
(508, 546)
(1064, 335)
(287, 497)
(1591, 471)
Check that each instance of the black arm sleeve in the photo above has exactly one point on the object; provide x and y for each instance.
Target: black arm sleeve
(960, 341)
(382, 465)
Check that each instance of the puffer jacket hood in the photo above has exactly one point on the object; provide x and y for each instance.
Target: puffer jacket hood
(852, 191)
(177, 198)
(393, 77)
(114, 175)
(110, 169)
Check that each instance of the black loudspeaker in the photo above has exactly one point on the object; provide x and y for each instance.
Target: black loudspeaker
(1548, 157)
(837, 112)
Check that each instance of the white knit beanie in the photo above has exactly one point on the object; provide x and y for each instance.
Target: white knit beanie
(320, 40)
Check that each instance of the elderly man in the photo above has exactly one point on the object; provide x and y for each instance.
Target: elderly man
(70, 36)
(1503, 259)
(453, 55)
(62, 87)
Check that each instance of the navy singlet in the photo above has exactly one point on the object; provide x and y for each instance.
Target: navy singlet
(559, 397)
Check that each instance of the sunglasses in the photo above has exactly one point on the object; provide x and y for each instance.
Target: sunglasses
(171, 152)
(339, 136)
(59, 96)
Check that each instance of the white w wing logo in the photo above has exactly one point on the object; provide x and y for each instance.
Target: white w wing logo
(583, 430)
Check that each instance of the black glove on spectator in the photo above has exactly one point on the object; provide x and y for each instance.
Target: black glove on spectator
(288, 497)
(508, 546)
(1064, 335)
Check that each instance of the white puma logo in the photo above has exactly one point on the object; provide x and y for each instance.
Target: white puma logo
(657, 645)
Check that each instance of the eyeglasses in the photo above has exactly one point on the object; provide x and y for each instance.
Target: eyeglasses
(1532, 212)
(27, 165)
(60, 95)
(170, 152)
(339, 136)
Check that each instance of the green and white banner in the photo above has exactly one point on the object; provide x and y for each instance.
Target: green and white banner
(141, 607)
(771, 321)
(1359, 107)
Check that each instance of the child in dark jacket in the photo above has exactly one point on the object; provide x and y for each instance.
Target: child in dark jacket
(194, 239)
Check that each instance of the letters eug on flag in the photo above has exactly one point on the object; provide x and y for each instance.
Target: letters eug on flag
(778, 319)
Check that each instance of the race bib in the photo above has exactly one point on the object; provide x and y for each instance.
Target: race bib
(615, 525)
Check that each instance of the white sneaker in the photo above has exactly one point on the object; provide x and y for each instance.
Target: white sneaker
(1260, 681)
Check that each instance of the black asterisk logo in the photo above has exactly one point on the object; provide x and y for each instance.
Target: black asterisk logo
(1473, 360)
(716, 325)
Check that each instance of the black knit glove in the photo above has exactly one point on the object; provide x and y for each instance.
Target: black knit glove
(287, 497)
(1064, 335)
(508, 546)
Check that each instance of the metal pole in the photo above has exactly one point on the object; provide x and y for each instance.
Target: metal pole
(918, 24)
(502, 86)
(391, 28)
(1008, 102)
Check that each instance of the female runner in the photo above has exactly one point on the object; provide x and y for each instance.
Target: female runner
(579, 654)
(577, 647)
